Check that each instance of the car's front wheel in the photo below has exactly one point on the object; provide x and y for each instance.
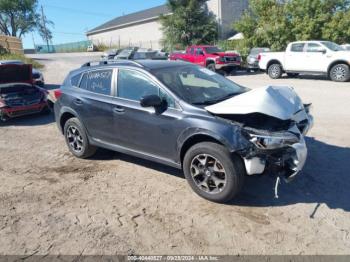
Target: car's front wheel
(340, 73)
(211, 67)
(77, 139)
(213, 172)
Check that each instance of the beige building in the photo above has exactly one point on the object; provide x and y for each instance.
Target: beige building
(143, 28)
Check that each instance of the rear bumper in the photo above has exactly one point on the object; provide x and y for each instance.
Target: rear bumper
(12, 112)
(253, 65)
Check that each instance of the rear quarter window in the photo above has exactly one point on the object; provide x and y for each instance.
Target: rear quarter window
(75, 80)
(99, 81)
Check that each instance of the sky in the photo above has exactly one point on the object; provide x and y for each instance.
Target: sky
(72, 18)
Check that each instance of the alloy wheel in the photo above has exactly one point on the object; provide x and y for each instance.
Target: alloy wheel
(338, 73)
(74, 138)
(208, 173)
(275, 71)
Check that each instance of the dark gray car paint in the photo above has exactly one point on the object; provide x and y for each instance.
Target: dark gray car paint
(139, 131)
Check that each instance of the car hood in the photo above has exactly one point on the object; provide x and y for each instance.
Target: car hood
(14, 73)
(222, 54)
(277, 101)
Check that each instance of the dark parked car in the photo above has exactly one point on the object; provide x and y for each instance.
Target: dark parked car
(185, 116)
(252, 59)
(38, 78)
(18, 95)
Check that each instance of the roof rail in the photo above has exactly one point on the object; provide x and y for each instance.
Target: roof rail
(111, 62)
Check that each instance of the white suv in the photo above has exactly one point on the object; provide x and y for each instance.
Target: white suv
(316, 57)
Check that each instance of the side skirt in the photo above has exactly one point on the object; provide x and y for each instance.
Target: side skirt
(128, 151)
(307, 72)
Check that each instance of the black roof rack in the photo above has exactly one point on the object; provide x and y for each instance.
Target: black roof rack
(112, 62)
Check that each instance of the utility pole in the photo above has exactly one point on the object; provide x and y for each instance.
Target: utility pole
(45, 29)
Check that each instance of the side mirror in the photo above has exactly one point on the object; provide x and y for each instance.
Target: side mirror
(323, 51)
(151, 101)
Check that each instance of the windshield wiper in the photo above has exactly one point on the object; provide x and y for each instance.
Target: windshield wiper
(215, 101)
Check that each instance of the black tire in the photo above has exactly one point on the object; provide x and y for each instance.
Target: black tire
(275, 71)
(79, 147)
(211, 67)
(292, 75)
(232, 165)
(340, 73)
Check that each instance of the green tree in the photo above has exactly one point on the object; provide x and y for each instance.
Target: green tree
(190, 23)
(275, 23)
(19, 17)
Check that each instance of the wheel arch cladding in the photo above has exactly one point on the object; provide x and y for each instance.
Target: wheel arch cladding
(232, 142)
(209, 61)
(336, 63)
(273, 61)
(64, 118)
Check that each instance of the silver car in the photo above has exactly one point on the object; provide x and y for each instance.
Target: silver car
(252, 59)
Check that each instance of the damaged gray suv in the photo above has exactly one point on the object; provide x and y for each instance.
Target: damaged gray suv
(185, 116)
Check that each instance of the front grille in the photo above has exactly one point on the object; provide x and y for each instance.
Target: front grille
(230, 58)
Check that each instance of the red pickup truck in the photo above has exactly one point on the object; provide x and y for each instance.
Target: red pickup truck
(210, 57)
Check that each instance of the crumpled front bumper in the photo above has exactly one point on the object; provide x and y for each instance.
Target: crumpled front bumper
(286, 162)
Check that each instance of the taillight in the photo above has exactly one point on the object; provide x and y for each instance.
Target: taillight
(2, 103)
(259, 57)
(57, 93)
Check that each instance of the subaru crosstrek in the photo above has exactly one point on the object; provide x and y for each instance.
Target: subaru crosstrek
(185, 116)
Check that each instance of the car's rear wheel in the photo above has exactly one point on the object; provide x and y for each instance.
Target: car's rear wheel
(212, 172)
(340, 73)
(275, 71)
(77, 139)
(211, 67)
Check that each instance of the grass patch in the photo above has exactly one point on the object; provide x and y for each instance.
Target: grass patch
(23, 58)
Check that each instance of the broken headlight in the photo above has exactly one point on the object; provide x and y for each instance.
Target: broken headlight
(271, 140)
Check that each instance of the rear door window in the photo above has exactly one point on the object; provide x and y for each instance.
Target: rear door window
(298, 47)
(99, 81)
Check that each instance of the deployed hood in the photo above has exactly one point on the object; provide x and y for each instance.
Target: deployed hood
(16, 73)
(277, 101)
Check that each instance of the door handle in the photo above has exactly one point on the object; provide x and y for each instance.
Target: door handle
(78, 102)
(119, 110)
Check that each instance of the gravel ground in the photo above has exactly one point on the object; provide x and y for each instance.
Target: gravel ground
(53, 203)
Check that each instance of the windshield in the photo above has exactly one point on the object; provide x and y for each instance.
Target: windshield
(197, 85)
(332, 46)
(212, 50)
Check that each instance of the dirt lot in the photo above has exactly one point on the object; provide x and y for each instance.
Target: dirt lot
(53, 203)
